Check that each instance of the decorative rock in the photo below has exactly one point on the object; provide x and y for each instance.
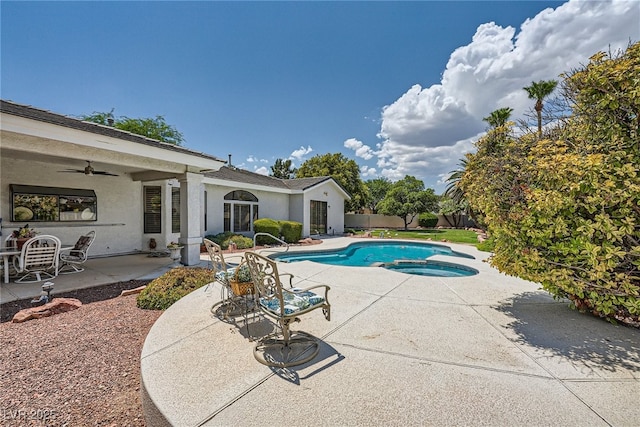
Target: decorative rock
(132, 291)
(58, 305)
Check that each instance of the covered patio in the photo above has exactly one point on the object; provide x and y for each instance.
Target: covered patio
(66, 177)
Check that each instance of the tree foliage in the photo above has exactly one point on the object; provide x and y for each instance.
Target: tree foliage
(499, 117)
(344, 171)
(407, 199)
(283, 169)
(154, 128)
(452, 210)
(378, 188)
(566, 212)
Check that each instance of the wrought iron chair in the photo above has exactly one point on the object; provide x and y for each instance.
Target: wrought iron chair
(38, 259)
(74, 260)
(284, 347)
(232, 303)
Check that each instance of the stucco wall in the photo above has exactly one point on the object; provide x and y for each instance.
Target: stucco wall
(271, 205)
(119, 217)
(367, 221)
(296, 209)
(325, 192)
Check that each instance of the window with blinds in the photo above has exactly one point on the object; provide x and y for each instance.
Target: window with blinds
(175, 210)
(318, 217)
(152, 209)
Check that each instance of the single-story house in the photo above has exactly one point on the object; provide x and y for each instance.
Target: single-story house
(64, 176)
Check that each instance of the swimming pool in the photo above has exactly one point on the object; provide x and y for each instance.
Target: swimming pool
(391, 255)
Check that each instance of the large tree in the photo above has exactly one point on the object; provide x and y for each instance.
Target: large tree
(565, 212)
(343, 170)
(378, 188)
(539, 91)
(154, 128)
(407, 199)
(283, 169)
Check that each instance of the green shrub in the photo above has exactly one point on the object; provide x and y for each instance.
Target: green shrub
(242, 242)
(223, 239)
(291, 231)
(162, 292)
(487, 245)
(563, 206)
(266, 225)
(427, 220)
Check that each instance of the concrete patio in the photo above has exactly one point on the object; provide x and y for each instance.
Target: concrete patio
(399, 350)
(98, 271)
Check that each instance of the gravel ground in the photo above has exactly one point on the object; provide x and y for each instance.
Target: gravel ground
(80, 368)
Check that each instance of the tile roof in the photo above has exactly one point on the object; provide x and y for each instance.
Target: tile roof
(243, 176)
(29, 112)
(225, 173)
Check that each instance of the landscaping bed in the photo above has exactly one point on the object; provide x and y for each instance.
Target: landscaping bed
(76, 368)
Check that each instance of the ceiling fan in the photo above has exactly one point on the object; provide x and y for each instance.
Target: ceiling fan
(89, 170)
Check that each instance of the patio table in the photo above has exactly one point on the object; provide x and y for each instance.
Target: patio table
(6, 254)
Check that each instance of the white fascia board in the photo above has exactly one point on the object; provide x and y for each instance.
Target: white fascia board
(82, 138)
(334, 185)
(245, 186)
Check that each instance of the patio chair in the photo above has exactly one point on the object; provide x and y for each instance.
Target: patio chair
(10, 242)
(38, 259)
(231, 303)
(284, 347)
(74, 260)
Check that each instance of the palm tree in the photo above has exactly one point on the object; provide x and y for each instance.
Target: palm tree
(539, 91)
(499, 117)
(453, 190)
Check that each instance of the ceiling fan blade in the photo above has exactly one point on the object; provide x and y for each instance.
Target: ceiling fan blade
(104, 173)
(73, 170)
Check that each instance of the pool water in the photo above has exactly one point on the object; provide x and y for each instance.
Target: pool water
(388, 255)
(431, 268)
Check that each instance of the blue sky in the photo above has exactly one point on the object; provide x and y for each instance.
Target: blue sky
(400, 87)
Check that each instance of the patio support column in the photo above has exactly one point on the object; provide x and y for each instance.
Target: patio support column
(190, 214)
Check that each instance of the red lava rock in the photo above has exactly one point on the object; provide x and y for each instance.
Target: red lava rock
(58, 305)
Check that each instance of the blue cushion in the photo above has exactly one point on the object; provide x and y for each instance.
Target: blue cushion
(225, 276)
(293, 302)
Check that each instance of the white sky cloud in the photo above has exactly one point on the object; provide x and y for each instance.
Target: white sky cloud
(361, 150)
(427, 130)
(367, 172)
(262, 170)
(300, 154)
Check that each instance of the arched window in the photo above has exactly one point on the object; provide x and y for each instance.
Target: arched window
(240, 210)
(241, 195)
